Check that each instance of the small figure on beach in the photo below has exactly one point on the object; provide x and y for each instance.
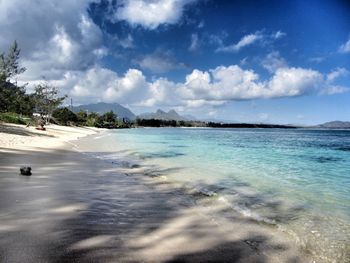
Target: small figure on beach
(41, 123)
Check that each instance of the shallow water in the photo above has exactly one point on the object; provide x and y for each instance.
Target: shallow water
(296, 180)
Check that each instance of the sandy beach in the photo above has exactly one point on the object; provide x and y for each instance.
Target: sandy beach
(75, 208)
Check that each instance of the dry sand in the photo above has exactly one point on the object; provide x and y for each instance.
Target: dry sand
(75, 208)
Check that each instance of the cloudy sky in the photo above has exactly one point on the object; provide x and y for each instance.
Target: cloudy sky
(250, 61)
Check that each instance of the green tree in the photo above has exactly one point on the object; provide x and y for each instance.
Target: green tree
(47, 99)
(82, 115)
(65, 116)
(9, 63)
(92, 119)
(110, 117)
(12, 97)
(107, 120)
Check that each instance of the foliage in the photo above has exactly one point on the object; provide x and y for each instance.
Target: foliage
(91, 119)
(12, 97)
(47, 99)
(11, 117)
(82, 116)
(9, 63)
(110, 117)
(108, 120)
(65, 116)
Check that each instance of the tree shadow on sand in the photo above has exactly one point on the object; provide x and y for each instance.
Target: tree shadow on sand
(23, 131)
(78, 209)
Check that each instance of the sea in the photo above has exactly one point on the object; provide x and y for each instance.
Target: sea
(296, 180)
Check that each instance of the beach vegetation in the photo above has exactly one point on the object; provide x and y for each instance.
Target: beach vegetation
(10, 117)
(47, 98)
(64, 116)
(9, 63)
(91, 119)
(13, 98)
(108, 120)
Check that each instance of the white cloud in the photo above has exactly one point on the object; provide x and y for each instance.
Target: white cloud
(212, 113)
(159, 62)
(132, 88)
(218, 39)
(345, 48)
(234, 83)
(317, 59)
(33, 24)
(55, 37)
(264, 116)
(278, 34)
(245, 41)
(162, 92)
(127, 42)
(199, 89)
(194, 43)
(291, 82)
(334, 89)
(101, 84)
(115, 40)
(337, 73)
(243, 61)
(201, 24)
(151, 14)
(274, 61)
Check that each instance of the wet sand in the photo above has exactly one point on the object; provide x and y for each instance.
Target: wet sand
(75, 208)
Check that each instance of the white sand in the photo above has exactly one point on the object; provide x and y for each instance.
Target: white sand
(17, 136)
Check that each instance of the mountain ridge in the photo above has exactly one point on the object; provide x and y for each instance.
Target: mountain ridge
(162, 115)
(335, 125)
(103, 107)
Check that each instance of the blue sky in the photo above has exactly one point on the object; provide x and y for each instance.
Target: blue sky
(248, 61)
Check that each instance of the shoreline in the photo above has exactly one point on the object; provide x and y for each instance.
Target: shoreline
(73, 207)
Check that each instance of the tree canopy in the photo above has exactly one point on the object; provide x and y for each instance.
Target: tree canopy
(9, 63)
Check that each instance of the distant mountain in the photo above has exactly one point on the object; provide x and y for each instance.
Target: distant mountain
(335, 125)
(162, 115)
(103, 107)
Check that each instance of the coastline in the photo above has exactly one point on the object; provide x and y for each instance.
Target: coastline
(78, 207)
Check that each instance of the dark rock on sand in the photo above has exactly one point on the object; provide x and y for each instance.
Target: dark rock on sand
(26, 170)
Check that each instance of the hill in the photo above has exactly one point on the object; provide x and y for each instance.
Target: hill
(103, 107)
(335, 125)
(162, 115)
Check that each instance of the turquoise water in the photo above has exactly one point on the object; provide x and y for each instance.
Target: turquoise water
(296, 180)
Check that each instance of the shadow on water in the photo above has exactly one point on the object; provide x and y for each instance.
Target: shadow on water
(64, 213)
